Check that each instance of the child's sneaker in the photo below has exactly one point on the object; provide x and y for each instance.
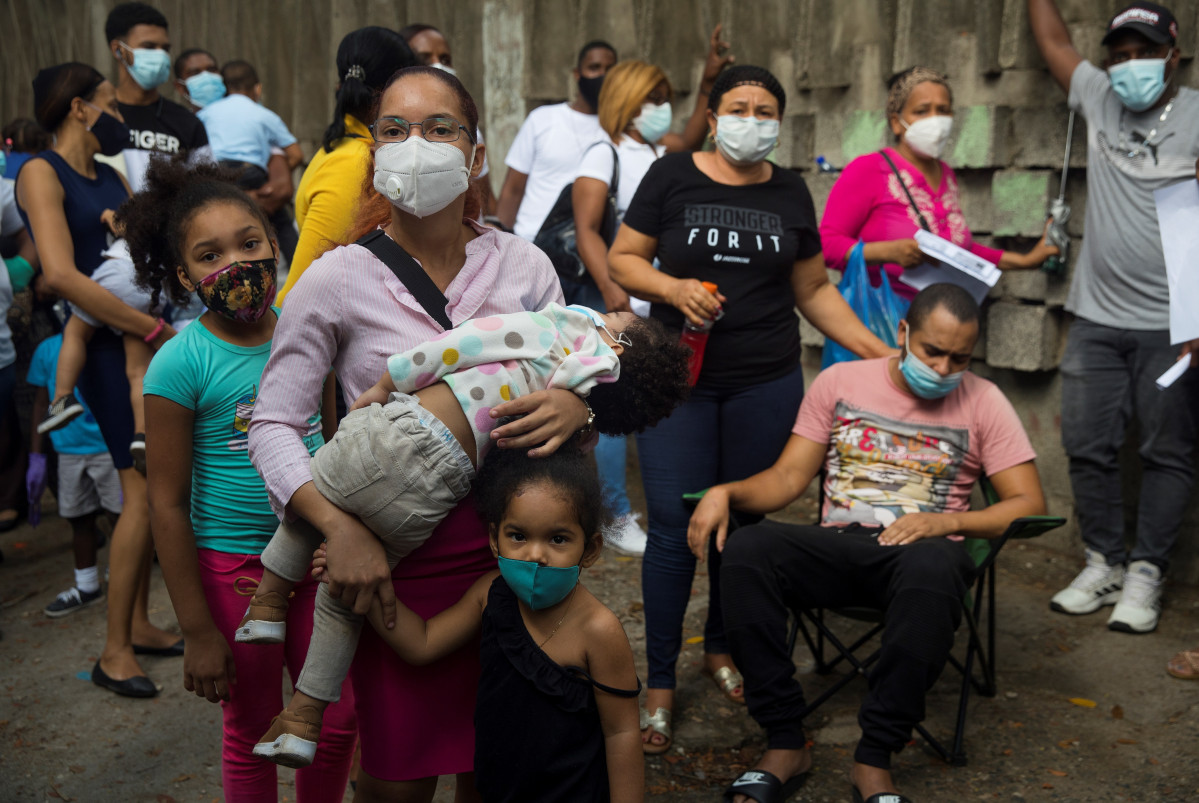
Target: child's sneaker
(59, 413)
(265, 621)
(291, 740)
(137, 450)
(1095, 586)
(1141, 603)
(72, 600)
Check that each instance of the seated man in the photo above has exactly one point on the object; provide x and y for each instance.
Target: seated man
(902, 441)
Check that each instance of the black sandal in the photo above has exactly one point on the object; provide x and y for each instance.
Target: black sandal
(764, 787)
(881, 797)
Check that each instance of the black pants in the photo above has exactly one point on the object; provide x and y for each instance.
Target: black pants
(770, 568)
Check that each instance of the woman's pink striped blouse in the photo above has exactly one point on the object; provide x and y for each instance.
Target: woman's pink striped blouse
(349, 312)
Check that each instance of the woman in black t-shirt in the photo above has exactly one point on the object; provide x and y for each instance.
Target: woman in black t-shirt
(729, 217)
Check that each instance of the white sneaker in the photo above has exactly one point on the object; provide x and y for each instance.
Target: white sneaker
(1141, 603)
(1095, 586)
(625, 535)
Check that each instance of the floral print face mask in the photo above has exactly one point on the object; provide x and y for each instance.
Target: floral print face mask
(240, 291)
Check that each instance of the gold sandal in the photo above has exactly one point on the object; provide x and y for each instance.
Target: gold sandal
(659, 723)
(728, 680)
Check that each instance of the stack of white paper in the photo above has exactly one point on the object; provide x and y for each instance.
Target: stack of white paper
(953, 264)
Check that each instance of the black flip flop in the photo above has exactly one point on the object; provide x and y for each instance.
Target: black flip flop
(881, 797)
(764, 787)
(173, 651)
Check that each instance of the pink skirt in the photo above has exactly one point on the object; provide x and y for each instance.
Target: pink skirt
(418, 721)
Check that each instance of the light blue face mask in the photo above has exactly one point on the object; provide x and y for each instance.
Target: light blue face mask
(538, 586)
(923, 380)
(745, 140)
(150, 68)
(1139, 82)
(600, 323)
(205, 87)
(654, 121)
(3, 162)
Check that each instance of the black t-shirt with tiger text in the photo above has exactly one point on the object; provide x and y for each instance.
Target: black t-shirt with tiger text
(160, 127)
(745, 239)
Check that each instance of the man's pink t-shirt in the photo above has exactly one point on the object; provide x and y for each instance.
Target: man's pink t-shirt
(868, 203)
(892, 453)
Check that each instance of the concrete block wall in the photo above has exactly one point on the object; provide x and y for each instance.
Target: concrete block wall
(833, 57)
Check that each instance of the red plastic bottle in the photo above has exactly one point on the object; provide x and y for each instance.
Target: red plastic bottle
(696, 339)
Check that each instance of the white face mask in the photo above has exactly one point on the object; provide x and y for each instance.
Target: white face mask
(421, 177)
(745, 140)
(928, 135)
(437, 65)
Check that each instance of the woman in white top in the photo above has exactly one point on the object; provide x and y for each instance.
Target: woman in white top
(635, 113)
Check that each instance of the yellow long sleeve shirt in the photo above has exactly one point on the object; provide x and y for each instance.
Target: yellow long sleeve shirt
(328, 197)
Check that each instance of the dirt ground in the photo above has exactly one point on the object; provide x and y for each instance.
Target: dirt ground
(1081, 714)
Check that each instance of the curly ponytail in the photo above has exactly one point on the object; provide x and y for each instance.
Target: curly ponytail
(155, 219)
(366, 58)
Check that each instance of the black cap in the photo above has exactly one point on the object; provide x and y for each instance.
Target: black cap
(1156, 23)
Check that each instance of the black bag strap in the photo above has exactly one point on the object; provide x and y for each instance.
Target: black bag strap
(389, 252)
(614, 184)
(907, 192)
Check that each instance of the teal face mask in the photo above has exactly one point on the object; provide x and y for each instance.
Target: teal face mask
(150, 68)
(538, 586)
(923, 380)
(1139, 82)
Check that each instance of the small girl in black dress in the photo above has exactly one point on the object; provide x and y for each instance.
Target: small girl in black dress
(556, 717)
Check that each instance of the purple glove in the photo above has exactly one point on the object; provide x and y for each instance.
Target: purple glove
(35, 486)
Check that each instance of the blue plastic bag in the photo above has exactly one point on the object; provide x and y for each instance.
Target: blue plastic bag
(879, 308)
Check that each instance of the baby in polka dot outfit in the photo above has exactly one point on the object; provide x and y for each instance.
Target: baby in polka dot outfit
(407, 453)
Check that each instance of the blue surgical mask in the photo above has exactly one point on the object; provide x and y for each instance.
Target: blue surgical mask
(150, 68)
(1139, 82)
(745, 140)
(204, 88)
(654, 121)
(600, 323)
(924, 380)
(538, 586)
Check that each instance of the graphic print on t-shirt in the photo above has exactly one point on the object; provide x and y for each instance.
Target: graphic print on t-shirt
(880, 468)
(734, 233)
(243, 411)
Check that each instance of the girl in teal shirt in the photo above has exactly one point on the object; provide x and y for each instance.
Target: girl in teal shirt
(209, 509)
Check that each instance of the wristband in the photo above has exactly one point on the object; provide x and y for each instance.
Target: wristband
(156, 331)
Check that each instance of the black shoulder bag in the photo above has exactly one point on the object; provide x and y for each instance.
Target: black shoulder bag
(907, 192)
(557, 237)
(389, 252)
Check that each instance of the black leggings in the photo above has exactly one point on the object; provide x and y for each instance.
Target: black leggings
(770, 568)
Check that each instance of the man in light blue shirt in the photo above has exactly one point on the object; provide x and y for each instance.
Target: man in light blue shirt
(242, 132)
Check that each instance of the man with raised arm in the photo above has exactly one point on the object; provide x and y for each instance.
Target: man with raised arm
(1142, 135)
(901, 441)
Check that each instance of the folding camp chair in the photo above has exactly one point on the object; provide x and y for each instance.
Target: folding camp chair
(977, 666)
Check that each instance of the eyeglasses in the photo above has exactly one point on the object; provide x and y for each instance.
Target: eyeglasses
(434, 129)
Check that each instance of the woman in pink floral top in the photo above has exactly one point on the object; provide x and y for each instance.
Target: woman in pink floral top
(869, 203)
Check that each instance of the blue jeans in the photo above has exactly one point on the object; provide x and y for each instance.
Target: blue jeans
(718, 435)
(1107, 377)
(610, 451)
